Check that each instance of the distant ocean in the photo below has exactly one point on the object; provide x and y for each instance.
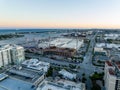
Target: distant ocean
(6, 31)
(42, 35)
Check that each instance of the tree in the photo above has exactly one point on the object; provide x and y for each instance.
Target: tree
(83, 74)
(84, 79)
(50, 71)
(95, 86)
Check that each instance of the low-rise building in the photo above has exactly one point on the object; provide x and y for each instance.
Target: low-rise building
(36, 65)
(60, 85)
(27, 75)
(100, 50)
(100, 46)
(9, 83)
(67, 74)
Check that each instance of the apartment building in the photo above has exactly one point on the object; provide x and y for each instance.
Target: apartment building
(11, 54)
(112, 75)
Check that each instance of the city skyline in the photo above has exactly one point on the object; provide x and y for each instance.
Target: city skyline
(59, 14)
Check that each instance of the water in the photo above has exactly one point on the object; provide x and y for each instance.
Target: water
(43, 33)
(7, 31)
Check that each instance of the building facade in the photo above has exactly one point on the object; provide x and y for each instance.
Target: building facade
(112, 75)
(64, 52)
(11, 54)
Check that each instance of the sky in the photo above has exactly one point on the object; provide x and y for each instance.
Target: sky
(59, 13)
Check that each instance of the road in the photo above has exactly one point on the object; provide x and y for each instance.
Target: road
(87, 66)
(45, 59)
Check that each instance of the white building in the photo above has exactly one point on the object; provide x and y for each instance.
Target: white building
(112, 75)
(36, 65)
(60, 85)
(11, 54)
(111, 36)
(67, 74)
(17, 53)
(107, 45)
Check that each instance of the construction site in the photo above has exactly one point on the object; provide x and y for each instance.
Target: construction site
(64, 47)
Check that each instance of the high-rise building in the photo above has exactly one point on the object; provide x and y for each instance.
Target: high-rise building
(5, 56)
(112, 75)
(11, 54)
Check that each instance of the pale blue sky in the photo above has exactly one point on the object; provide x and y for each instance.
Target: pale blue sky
(60, 13)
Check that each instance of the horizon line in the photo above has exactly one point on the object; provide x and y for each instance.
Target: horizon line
(18, 28)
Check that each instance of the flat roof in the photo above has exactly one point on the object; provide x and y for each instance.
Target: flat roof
(36, 64)
(9, 46)
(25, 74)
(51, 86)
(67, 74)
(107, 45)
(3, 76)
(61, 85)
(15, 84)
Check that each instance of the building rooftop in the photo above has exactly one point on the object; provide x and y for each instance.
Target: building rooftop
(111, 71)
(15, 84)
(36, 64)
(3, 76)
(108, 45)
(24, 74)
(109, 63)
(114, 69)
(111, 36)
(67, 74)
(9, 46)
(61, 85)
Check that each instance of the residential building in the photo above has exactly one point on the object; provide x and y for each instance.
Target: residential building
(17, 54)
(112, 75)
(11, 54)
